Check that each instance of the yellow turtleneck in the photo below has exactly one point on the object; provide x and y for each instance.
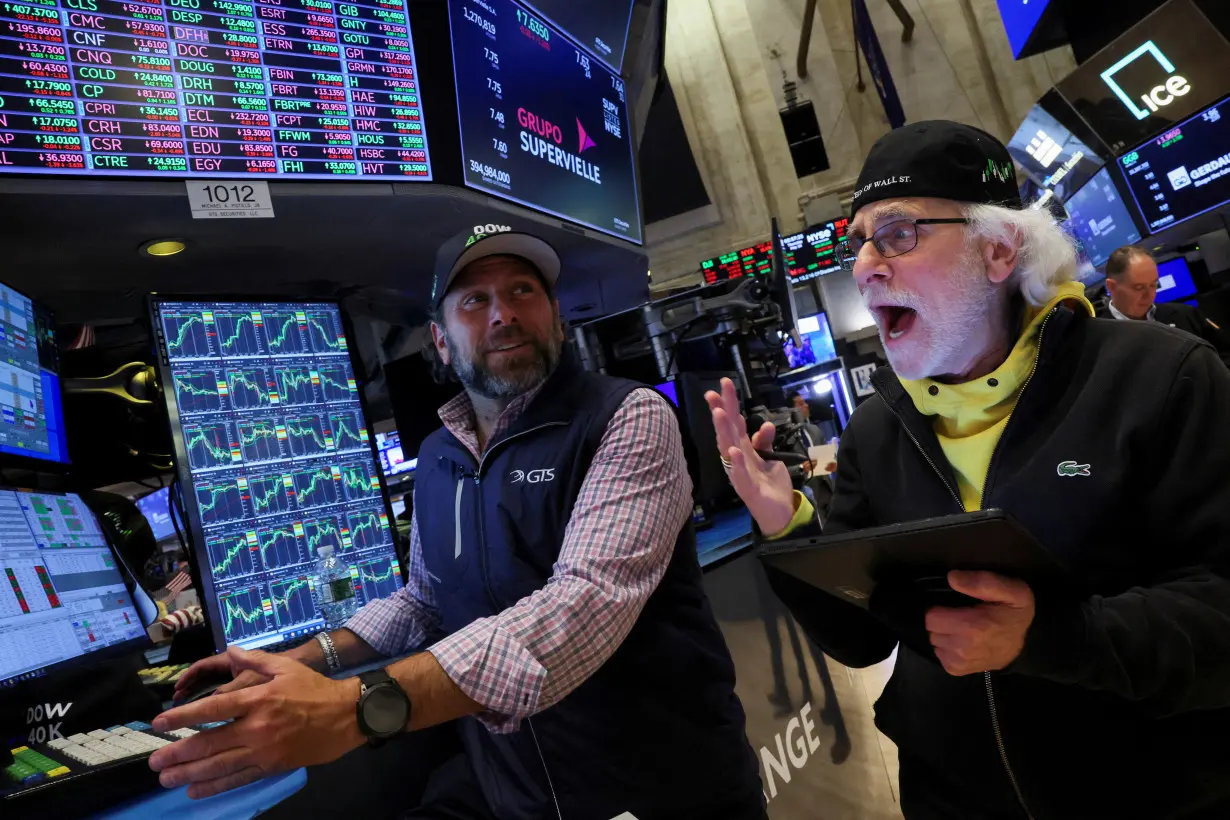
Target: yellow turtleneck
(969, 418)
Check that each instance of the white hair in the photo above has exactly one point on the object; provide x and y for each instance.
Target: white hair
(1046, 256)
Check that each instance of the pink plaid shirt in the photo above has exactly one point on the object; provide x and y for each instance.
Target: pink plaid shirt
(619, 540)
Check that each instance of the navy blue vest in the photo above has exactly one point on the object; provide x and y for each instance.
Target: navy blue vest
(658, 730)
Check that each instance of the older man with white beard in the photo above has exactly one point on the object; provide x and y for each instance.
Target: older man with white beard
(1105, 439)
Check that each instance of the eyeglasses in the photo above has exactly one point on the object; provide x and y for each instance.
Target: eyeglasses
(893, 239)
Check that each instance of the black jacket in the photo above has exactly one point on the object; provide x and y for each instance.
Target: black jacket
(1119, 705)
(1186, 318)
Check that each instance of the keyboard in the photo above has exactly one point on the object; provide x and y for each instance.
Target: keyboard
(82, 774)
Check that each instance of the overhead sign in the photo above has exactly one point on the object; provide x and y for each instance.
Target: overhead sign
(1159, 95)
(1164, 69)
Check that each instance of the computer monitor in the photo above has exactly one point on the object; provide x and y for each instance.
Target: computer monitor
(63, 600)
(669, 390)
(818, 346)
(1174, 281)
(272, 449)
(392, 458)
(1100, 219)
(31, 411)
(156, 508)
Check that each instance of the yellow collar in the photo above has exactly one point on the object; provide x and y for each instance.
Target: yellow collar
(933, 398)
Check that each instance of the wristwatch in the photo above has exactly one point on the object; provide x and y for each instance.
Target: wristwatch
(383, 708)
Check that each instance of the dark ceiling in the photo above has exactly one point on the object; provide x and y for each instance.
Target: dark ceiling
(75, 245)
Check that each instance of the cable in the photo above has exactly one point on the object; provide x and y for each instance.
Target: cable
(683, 334)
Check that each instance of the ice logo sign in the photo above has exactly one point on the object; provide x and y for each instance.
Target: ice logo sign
(1158, 96)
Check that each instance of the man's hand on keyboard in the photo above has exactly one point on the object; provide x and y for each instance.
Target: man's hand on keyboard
(298, 718)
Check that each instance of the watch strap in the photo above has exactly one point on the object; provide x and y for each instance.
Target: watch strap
(377, 678)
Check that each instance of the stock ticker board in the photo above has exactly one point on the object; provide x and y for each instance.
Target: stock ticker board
(276, 461)
(754, 261)
(304, 89)
(543, 123)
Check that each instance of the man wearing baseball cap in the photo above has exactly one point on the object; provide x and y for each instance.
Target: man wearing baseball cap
(1105, 439)
(553, 581)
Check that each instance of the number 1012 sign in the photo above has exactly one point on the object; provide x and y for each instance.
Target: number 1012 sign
(220, 199)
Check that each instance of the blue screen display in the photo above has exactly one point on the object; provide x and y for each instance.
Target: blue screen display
(817, 341)
(275, 460)
(1100, 219)
(157, 511)
(668, 389)
(31, 413)
(1174, 281)
(1020, 19)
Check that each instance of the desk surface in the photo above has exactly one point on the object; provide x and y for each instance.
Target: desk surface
(239, 804)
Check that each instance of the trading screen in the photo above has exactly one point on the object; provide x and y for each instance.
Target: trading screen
(754, 261)
(599, 25)
(1100, 219)
(61, 594)
(31, 416)
(1185, 171)
(813, 252)
(542, 122)
(307, 89)
(276, 459)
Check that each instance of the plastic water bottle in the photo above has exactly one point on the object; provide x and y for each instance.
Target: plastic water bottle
(334, 589)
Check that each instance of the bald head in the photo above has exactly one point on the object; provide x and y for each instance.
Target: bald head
(1131, 281)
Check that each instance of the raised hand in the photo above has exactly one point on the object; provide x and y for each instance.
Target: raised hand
(763, 485)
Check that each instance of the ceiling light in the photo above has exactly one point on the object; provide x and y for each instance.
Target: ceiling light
(163, 247)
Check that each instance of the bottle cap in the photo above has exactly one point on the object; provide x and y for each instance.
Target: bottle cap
(324, 550)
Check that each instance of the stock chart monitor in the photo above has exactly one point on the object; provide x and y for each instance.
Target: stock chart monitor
(273, 448)
(542, 122)
(31, 415)
(301, 89)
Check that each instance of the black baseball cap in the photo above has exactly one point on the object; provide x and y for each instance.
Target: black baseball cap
(482, 241)
(937, 158)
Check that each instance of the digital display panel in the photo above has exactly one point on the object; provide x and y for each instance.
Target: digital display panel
(1174, 280)
(273, 450)
(31, 413)
(62, 595)
(156, 507)
(817, 339)
(754, 261)
(1053, 157)
(1100, 219)
(599, 25)
(1185, 171)
(1020, 19)
(542, 123)
(1162, 70)
(813, 252)
(303, 89)
(392, 458)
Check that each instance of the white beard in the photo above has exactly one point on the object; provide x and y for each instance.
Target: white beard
(949, 323)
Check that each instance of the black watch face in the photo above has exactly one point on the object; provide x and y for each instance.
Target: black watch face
(385, 710)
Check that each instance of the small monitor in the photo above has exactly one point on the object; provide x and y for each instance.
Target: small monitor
(756, 260)
(1100, 219)
(813, 252)
(31, 411)
(63, 598)
(392, 458)
(156, 508)
(818, 346)
(273, 451)
(669, 390)
(1174, 281)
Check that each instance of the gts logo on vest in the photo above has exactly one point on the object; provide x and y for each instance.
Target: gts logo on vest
(532, 477)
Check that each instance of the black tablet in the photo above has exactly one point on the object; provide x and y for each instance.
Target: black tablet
(918, 554)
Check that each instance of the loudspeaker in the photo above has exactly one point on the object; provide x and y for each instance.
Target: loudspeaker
(809, 157)
(803, 133)
(800, 122)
